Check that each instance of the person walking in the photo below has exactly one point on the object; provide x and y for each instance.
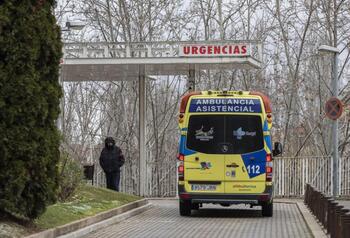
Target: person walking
(111, 160)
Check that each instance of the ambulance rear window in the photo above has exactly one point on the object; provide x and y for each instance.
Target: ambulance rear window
(205, 133)
(244, 133)
(225, 134)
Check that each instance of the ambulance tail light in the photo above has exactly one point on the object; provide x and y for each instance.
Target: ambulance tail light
(180, 166)
(180, 157)
(268, 158)
(181, 169)
(263, 197)
(269, 166)
(185, 99)
(184, 196)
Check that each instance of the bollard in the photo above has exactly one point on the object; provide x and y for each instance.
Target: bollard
(325, 200)
(342, 222)
(306, 195)
(309, 196)
(337, 224)
(330, 219)
(316, 204)
(319, 206)
(321, 214)
(345, 220)
(313, 200)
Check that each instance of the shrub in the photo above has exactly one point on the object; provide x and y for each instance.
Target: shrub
(30, 51)
(71, 177)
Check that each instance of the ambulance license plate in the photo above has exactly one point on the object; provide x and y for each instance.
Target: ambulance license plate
(203, 187)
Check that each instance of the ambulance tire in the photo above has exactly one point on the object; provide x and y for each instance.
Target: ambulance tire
(267, 209)
(185, 207)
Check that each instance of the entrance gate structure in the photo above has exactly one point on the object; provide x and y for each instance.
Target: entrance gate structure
(133, 61)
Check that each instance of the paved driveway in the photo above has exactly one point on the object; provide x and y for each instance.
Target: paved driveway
(163, 220)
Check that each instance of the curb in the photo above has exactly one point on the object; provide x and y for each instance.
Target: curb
(315, 228)
(103, 219)
(163, 198)
(107, 222)
(287, 201)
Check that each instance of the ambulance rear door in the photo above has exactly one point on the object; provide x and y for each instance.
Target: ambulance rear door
(203, 170)
(246, 159)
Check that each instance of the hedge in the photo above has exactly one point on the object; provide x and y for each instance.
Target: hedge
(30, 51)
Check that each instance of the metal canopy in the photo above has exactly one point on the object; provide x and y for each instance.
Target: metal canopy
(120, 61)
(133, 61)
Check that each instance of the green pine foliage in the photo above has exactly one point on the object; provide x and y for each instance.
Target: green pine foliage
(30, 51)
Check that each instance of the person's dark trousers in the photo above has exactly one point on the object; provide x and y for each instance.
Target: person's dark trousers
(113, 179)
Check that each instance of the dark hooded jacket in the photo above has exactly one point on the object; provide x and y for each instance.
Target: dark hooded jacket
(111, 158)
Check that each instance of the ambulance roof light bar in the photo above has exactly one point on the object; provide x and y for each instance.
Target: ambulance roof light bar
(226, 92)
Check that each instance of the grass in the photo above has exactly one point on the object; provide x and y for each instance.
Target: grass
(88, 201)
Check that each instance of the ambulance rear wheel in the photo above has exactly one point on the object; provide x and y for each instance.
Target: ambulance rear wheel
(267, 209)
(185, 207)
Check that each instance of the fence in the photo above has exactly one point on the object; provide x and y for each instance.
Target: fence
(291, 174)
(334, 217)
(161, 178)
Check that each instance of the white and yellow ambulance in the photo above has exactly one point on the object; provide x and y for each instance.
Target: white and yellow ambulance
(225, 150)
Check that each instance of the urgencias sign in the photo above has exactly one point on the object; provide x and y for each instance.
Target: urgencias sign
(214, 50)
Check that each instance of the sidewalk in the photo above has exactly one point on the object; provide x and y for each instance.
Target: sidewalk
(164, 220)
(311, 221)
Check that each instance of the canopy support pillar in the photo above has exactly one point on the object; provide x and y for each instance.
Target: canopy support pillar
(142, 132)
(191, 82)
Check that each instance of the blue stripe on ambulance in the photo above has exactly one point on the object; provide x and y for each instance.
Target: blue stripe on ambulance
(268, 142)
(267, 138)
(266, 128)
(183, 149)
(255, 159)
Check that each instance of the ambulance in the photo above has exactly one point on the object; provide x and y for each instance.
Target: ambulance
(225, 150)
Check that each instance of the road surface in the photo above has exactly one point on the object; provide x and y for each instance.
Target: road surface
(163, 220)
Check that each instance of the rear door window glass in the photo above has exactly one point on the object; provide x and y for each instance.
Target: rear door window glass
(225, 134)
(244, 133)
(205, 133)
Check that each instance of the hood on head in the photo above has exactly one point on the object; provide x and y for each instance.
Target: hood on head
(109, 142)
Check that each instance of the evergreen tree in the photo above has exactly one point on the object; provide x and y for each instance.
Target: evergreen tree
(30, 51)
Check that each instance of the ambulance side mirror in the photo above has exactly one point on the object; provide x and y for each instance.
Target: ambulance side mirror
(277, 149)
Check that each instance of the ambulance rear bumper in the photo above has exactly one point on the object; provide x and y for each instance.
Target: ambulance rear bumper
(266, 196)
(227, 198)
